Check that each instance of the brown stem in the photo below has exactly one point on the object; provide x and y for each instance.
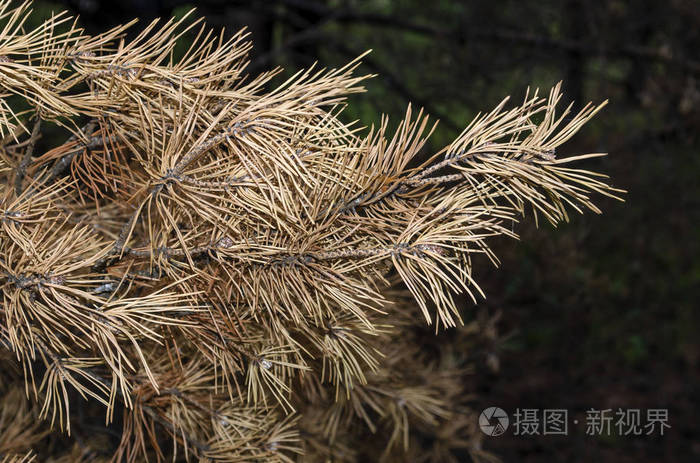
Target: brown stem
(63, 163)
(22, 169)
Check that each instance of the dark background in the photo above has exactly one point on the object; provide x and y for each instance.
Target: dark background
(602, 312)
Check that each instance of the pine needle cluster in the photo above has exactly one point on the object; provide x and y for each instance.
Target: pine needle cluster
(210, 267)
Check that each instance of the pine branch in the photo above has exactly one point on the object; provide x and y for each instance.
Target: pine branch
(210, 253)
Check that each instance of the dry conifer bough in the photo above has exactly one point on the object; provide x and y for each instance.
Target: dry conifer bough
(208, 267)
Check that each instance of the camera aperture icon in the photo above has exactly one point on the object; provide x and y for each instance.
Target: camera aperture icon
(493, 421)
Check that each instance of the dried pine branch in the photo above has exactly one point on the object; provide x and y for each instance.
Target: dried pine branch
(230, 270)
